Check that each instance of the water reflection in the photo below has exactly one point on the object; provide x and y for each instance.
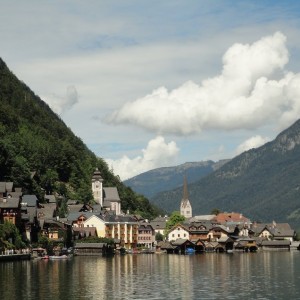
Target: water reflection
(264, 275)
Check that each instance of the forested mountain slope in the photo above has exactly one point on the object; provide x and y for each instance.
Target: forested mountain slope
(164, 179)
(263, 183)
(39, 153)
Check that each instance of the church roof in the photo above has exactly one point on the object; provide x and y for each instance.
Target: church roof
(97, 175)
(111, 194)
(185, 200)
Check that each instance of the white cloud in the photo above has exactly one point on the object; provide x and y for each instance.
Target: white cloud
(62, 104)
(253, 142)
(252, 90)
(157, 154)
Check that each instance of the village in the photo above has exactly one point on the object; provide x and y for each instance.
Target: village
(221, 232)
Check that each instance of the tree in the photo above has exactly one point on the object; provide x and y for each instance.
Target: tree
(10, 236)
(215, 211)
(159, 237)
(175, 218)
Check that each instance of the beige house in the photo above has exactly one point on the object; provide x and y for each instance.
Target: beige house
(123, 229)
(178, 232)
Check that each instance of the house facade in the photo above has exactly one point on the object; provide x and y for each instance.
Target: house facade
(178, 232)
(146, 235)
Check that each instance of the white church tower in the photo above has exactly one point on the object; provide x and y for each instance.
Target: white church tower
(185, 205)
(97, 187)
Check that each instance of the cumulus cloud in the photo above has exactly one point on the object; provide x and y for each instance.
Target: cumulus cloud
(252, 89)
(158, 153)
(253, 142)
(62, 104)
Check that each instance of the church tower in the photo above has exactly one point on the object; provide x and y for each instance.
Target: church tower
(185, 205)
(97, 188)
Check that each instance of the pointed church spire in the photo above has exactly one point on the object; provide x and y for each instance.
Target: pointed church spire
(185, 189)
(185, 205)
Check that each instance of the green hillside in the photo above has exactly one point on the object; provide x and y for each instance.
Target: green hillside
(39, 153)
(263, 183)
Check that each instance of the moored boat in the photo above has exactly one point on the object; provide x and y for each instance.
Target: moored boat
(58, 257)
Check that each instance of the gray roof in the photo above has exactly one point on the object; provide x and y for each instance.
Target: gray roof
(15, 194)
(111, 194)
(96, 208)
(46, 211)
(111, 217)
(50, 198)
(159, 223)
(9, 186)
(277, 230)
(31, 200)
(97, 175)
(29, 213)
(6, 187)
(145, 226)
(74, 208)
(2, 187)
(75, 215)
(180, 242)
(72, 202)
(276, 243)
(166, 245)
(9, 203)
(89, 245)
(202, 218)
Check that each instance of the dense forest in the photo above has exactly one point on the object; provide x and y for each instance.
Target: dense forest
(39, 153)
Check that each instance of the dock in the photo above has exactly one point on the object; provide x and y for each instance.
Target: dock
(15, 257)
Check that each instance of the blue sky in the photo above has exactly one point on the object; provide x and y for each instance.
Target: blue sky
(148, 84)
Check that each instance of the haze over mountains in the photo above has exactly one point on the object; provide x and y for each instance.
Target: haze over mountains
(168, 178)
(262, 183)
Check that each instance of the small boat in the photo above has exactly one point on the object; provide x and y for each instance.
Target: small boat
(45, 257)
(190, 251)
(58, 257)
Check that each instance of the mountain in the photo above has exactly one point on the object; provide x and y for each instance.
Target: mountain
(39, 153)
(164, 179)
(262, 183)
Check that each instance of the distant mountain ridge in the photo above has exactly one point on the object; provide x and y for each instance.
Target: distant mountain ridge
(262, 183)
(163, 179)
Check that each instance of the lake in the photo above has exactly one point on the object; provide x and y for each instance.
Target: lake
(262, 275)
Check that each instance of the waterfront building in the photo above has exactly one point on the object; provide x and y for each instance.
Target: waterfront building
(146, 235)
(178, 232)
(121, 228)
(273, 231)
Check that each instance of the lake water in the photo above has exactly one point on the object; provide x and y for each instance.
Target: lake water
(262, 275)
